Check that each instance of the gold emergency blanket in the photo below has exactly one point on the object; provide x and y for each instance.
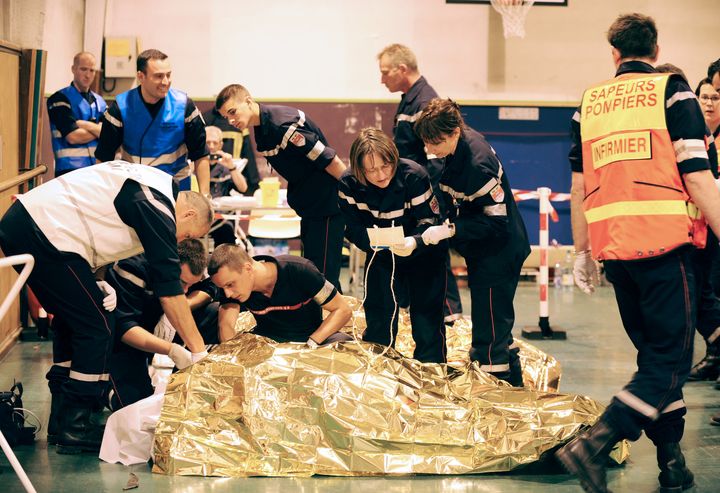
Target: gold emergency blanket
(254, 407)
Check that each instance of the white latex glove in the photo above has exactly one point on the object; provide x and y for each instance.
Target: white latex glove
(195, 357)
(180, 356)
(585, 272)
(110, 299)
(164, 329)
(406, 249)
(312, 344)
(435, 234)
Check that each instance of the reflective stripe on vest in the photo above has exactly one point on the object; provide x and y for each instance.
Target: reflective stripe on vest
(635, 203)
(159, 141)
(73, 156)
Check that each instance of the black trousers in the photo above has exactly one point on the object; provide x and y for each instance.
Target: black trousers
(656, 298)
(322, 241)
(129, 377)
(425, 279)
(493, 317)
(452, 308)
(65, 286)
(453, 303)
(708, 309)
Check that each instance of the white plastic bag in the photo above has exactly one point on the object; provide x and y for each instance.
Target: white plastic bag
(129, 432)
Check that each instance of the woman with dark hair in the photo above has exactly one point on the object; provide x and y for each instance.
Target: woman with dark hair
(486, 229)
(381, 190)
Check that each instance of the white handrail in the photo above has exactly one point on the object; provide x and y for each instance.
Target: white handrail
(29, 262)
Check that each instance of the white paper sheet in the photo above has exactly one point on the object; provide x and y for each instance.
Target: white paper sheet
(386, 237)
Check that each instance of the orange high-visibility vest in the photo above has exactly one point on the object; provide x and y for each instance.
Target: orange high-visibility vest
(635, 203)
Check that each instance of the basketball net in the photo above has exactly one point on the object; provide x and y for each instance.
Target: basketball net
(513, 15)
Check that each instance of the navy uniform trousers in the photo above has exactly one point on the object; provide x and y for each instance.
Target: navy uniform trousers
(424, 278)
(65, 285)
(708, 311)
(322, 241)
(657, 302)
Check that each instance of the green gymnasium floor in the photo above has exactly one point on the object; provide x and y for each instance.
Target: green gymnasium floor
(597, 359)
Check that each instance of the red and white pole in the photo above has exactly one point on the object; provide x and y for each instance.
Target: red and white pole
(544, 197)
(545, 332)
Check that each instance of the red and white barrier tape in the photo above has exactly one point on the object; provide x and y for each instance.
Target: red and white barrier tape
(520, 195)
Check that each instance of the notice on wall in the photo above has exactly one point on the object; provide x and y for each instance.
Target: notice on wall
(518, 113)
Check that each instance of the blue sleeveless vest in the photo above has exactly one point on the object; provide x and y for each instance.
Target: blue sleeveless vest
(159, 141)
(73, 156)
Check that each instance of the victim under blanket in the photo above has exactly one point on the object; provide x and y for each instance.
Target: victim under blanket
(254, 407)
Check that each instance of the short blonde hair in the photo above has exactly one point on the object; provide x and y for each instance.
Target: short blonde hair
(227, 255)
(201, 205)
(398, 54)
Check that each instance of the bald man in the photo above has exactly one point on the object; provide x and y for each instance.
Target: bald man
(75, 113)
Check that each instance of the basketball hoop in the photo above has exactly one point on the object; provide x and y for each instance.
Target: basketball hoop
(513, 15)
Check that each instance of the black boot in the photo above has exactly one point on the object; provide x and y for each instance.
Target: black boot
(587, 455)
(707, 368)
(56, 406)
(674, 475)
(77, 433)
(516, 373)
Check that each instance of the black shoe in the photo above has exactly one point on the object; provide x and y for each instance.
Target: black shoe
(707, 368)
(56, 405)
(674, 475)
(586, 456)
(516, 373)
(77, 433)
(717, 383)
(715, 420)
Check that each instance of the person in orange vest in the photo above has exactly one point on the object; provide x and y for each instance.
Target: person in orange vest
(642, 192)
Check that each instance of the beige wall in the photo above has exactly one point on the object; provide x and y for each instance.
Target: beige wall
(565, 49)
(326, 48)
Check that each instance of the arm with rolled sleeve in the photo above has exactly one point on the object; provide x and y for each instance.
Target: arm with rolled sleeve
(307, 143)
(686, 126)
(61, 115)
(326, 295)
(111, 134)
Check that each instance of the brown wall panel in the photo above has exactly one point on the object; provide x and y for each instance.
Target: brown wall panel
(340, 122)
(9, 131)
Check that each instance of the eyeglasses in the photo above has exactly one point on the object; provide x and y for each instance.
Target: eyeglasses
(705, 98)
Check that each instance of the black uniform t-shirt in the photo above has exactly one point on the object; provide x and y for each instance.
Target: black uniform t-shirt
(293, 312)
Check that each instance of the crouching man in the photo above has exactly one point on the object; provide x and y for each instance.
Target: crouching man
(286, 294)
